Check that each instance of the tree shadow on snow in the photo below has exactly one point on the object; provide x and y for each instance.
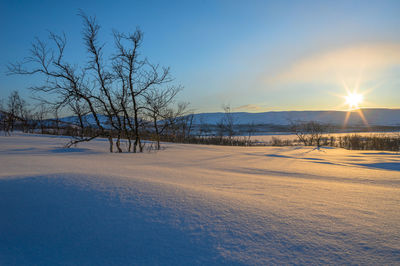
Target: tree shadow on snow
(385, 166)
(53, 150)
(73, 150)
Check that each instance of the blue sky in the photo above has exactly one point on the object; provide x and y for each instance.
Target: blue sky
(253, 55)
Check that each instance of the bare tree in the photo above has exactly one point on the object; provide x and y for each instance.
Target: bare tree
(204, 128)
(165, 118)
(15, 106)
(185, 122)
(251, 129)
(14, 112)
(138, 76)
(309, 133)
(115, 88)
(40, 116)
(65, 82)
(3, 117)
(226, 124)
(178, 121)
(105, 79)
(56, 120)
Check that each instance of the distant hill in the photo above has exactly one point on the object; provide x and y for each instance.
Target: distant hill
(375, 117)
(274, 120)
(87, 120)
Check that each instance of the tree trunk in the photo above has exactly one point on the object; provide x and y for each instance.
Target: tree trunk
(110, 140)
(118, 143)
(157, 134)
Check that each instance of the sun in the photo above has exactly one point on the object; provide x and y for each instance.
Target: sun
(354, 99)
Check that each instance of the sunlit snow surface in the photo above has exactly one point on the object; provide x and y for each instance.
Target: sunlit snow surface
(193, 204)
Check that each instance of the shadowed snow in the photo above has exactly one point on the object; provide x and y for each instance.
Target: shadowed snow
(193, 204)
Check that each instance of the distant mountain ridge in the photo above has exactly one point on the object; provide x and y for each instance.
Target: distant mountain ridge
(376, 117)
(86, 119)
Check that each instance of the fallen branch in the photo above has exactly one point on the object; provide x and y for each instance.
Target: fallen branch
(78, 140)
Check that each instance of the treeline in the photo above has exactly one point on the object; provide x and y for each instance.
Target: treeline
(166, 125)
(350, 142)
(17, 115)
(357, 142)
(316, 134)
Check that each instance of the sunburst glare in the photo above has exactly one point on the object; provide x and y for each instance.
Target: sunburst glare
(354, 99)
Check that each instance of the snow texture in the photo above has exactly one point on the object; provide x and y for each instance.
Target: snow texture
(196, 205)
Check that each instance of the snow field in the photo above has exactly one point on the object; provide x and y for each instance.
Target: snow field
(193, 204)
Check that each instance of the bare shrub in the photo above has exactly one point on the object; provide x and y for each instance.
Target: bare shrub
(309, 133)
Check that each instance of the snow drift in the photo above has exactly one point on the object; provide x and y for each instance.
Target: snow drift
(193, 204)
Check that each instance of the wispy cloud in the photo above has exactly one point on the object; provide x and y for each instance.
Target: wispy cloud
(250, 108)
(346, 63)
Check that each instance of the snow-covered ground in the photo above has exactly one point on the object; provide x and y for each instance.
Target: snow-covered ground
(193, 204)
